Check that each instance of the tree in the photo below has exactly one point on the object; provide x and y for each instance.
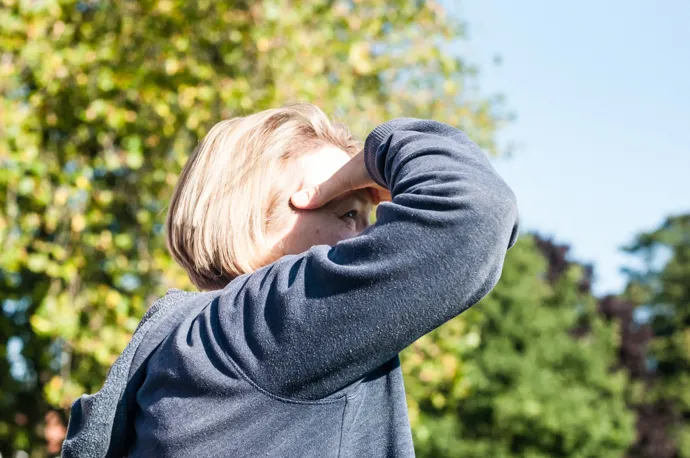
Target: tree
(653, 417)
(536, 377)
(661, 292)
(100, 104)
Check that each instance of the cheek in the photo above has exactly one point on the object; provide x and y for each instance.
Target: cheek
(318, 229)
(327, 232)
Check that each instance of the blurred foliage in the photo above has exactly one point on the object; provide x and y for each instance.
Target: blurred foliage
(661, 288)
(101, 103)
(531, 377)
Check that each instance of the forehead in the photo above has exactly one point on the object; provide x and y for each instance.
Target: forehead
(319, 165)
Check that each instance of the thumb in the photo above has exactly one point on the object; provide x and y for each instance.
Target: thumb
(308, 198)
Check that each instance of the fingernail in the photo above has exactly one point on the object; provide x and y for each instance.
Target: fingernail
(300, 198)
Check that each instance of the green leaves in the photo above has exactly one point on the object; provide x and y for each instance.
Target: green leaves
(526, 386)
(661, 288)
(102, 102)
(57, 315)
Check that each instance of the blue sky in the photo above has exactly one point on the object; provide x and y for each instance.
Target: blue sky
(601, 91)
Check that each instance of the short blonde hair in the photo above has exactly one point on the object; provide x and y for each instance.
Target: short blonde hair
(235, 188)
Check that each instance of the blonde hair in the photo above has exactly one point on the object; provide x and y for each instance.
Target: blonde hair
(234, 190)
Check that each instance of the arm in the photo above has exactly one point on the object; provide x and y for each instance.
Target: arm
(310, 324)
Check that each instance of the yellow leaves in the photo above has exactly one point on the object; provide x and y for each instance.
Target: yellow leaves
(105, 79)
(112, 298)
(121, 262)
(143, 216)
(316, 65)
(105, 240)
(449, 363)
(53, 390)
(186, 97)
(153, 140)
(132, 111)
(134, 157)
(112, 160)
(51, 119)
(246, 102)
(263, 44)
(428, 374)
(78, 222)
(206, 93)
(360, 58)
(272, 11)
(355, 22)
(62, 393)
(58, 29)
(57, 315)
(162, 109)
(87, 30)
(192, 121)
(100, 108)
(102, 353)
(37, 262)
(448, 63)
(165, 6)
(26, 185)
(143, 265)
(30, 222)
(172, 65)
(438, 400)
(340, 9)
(181, 43)
(235, 36)
(412, 410)
(90, 56)
(82, 182)
(51, 218)
(104, 196)
(450, 87)
(473, 339)
(124, 241)
(422, 433)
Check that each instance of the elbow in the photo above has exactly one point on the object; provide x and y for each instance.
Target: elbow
(508, 215)
(496, 231)
(499, 213)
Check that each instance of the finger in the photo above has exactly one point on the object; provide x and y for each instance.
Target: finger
(375, 199)
(316, 196)
(384, 195)
(344, 180)
(302, 199)
(379, 195)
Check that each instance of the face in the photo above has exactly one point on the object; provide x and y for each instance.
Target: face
(343, 217)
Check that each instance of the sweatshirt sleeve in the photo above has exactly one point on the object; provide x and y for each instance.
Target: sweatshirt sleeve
(311, 324)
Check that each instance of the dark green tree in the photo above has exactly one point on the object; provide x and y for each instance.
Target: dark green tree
(661, 291)
(537, 379)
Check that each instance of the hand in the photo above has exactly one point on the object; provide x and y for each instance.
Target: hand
(352, 175)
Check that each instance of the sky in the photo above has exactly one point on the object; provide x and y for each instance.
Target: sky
(601, 94)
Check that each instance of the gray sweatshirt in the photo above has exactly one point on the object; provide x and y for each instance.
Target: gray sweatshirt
(300, 358)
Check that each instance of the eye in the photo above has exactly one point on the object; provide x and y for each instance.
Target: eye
(351, 214)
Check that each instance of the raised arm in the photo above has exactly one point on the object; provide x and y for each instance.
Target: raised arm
(310, 324)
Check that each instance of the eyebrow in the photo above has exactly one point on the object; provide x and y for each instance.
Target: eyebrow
(359, 195)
